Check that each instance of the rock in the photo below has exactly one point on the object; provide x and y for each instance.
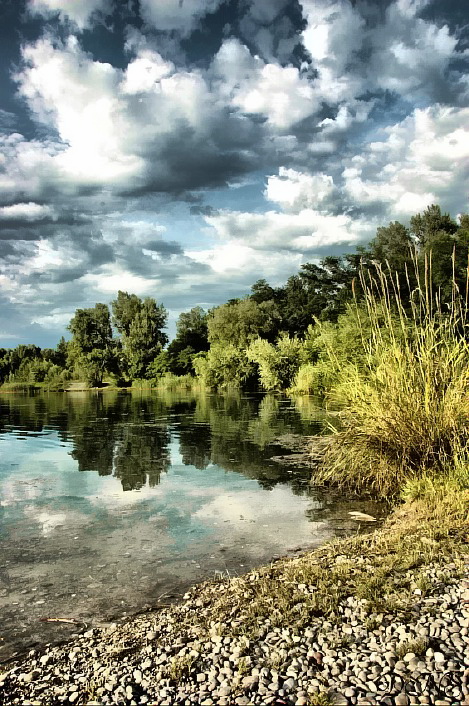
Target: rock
(362, 517)
(289, 684)
(249, 682)
(409, 656)
(402, 699)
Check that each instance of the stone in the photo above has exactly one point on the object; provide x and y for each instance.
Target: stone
(350, 692)
(409, 657)
(250, 682)
(402, 699)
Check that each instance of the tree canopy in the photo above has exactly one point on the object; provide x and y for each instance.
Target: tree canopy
(261, 338)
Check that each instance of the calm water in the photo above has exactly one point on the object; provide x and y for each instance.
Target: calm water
(110, 502)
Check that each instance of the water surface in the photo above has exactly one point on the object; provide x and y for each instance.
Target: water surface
(113, 501)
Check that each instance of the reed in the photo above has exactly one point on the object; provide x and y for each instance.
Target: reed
(405, 411)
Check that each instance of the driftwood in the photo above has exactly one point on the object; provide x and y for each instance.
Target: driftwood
(71, 621)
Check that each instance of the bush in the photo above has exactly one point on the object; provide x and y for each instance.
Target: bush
(223, 367)
(278, 364)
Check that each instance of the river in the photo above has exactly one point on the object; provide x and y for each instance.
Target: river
(112, 502)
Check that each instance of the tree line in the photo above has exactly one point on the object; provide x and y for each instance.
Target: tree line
(269, 338)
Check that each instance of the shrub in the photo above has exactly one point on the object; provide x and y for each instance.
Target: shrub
(278, 364)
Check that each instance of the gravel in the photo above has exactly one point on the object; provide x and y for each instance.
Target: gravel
(157, 658)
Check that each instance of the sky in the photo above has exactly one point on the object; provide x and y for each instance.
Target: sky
(183, 149)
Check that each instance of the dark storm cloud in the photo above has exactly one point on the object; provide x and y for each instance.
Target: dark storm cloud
(272, 30)
(163, 247)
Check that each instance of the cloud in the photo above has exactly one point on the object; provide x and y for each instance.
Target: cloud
(179, 15)
(333, 37)
(146, 128)
(26, 212)
(280, 94)
(308, 231)
(294, 191)
(273, 29)
(357, 50)
(79, 12)
(423, 159)
(411, 55)
(244, 262)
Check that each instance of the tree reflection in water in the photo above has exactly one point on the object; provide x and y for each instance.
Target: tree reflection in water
(128, 434)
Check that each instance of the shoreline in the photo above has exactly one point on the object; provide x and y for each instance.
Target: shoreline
(374, 619)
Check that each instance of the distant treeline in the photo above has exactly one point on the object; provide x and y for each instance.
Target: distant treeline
(271, 339)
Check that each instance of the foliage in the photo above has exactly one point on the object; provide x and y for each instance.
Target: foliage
(140, 323)
(278, 364)
(239, 322)
(224, 366)
(313, 379)
(91, 347)
(191, 339)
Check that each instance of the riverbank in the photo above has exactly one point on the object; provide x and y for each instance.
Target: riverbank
(377, 619)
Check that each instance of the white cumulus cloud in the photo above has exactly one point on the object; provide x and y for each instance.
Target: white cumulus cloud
(78, 11)
(294, 191)
(306, 231)
(424, 159)
(180, 15)
(26, 211)
(280, 93)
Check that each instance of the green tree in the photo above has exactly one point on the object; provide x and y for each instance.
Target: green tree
(91, 348)
(239, 322)
(124, 310)
(261, 291)
(140, 323)
(424, 226)
(191, 338)
(223, 366)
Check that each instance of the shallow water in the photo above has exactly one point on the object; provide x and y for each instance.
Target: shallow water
(113, 501)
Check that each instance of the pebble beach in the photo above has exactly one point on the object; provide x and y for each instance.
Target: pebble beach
(415, 651)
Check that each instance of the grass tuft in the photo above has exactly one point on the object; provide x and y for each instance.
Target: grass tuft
(404, 423)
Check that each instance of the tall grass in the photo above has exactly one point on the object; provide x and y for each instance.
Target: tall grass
(405, 405)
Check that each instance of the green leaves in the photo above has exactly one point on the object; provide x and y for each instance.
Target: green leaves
(140, 323)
